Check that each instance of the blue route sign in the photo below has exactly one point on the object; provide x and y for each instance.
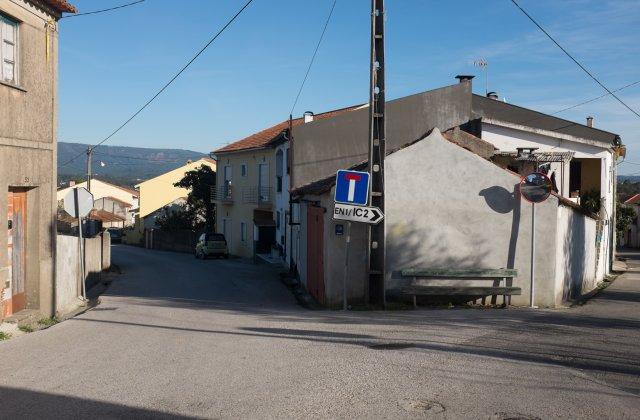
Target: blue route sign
(352, 187)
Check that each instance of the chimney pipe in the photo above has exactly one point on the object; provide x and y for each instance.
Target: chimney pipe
(308, 117)
(493, 95)
(589, 121)
(464, 78)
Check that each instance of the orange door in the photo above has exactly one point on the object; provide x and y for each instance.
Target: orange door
(15, 300)
(315, 249)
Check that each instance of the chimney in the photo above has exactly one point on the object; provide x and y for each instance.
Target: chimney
(493, 95)
(72, 183)
(589, 121)
(308, 117)
(464, 78)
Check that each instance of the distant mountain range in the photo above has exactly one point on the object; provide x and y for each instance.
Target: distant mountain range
(120, 165)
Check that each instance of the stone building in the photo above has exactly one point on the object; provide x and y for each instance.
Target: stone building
(28, 136)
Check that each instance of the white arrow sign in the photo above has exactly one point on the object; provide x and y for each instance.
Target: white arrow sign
(371, 215)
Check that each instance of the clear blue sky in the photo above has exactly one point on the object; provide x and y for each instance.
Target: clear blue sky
(111, 63)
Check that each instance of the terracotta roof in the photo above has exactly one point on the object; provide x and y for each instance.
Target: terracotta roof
(61, 6)
(105, 216)
(262, 138)
(633, 200)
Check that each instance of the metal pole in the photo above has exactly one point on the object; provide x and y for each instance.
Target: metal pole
(80, 244)
(89, 153)
(533, 254)
(346, 268)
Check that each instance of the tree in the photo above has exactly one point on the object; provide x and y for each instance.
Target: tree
(199, 206)
(625, 216)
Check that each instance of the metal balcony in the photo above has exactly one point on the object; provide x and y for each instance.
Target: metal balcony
(223, 194)
(257, 195)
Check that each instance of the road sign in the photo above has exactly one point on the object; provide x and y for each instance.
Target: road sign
(535, 187)
(85, 202)
(352, 187)
(371, 215)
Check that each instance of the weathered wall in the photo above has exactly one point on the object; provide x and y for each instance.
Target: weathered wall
(68, 286)
(28, 125)
(576, 257)
(447, 207)
(322, 147)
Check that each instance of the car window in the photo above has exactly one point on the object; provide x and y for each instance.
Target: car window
(202, 237)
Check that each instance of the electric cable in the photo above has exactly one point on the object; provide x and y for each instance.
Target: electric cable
(166, 85)
(574, 60)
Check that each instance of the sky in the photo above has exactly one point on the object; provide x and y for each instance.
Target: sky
(247, 80)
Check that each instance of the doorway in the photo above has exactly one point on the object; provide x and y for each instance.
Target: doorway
(14, 298)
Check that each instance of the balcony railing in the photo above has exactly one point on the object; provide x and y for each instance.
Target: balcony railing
(257, 195)
(223, 193)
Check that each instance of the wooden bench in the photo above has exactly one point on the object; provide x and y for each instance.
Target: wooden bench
(496, 275)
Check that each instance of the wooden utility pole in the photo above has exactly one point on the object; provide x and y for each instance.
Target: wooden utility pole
(376, 289)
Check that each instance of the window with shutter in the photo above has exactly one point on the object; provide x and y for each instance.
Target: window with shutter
(8, 50)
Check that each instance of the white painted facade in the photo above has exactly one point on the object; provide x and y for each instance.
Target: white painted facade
(507, 137)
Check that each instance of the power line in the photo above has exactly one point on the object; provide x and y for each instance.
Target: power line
(573, 59)
(595, 99)
(103, 10)
(166, 85)
(313, 57)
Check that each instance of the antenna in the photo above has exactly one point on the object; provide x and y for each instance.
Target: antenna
(484, 65)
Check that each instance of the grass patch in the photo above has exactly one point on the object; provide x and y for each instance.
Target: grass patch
(26, 328)
(4, 336)
(48, 322)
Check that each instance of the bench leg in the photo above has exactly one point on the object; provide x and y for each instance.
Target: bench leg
(415, 303)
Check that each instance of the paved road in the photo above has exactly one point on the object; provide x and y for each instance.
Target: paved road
(177, 337)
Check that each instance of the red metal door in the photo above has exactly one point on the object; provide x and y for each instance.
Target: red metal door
(14, 297)
(315, 248)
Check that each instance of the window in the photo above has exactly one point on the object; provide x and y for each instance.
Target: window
(243, 170)
(243, 231)
(8, 49)
(279, 170)
(278, 220)
(288, 163)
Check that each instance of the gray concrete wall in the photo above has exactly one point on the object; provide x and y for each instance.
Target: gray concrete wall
(449, 208)
(324, 146)
(68, 286)
(28, 125)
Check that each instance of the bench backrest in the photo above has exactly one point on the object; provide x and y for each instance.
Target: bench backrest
(483, 273)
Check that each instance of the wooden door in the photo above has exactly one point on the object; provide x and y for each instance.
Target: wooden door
(16, 240)
(315, 249)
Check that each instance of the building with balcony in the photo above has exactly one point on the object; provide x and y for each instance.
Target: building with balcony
(252, 191)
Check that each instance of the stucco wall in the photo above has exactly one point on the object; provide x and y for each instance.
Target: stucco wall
(324, 146)
(68, 286)
(28, 125)
(239, 211)
(157, 192)
(101, 189)
(576, 257)
(453, 209)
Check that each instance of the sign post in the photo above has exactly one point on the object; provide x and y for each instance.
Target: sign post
(535, 188)
(78, 203)
(351, 200)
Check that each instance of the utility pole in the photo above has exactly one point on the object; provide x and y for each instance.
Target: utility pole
(377, 152)
(89, 156)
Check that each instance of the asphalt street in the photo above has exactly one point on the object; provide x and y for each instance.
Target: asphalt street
(179, 337)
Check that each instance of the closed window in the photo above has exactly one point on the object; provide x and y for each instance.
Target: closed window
(8, 50)
(243, 231)
(243, 170)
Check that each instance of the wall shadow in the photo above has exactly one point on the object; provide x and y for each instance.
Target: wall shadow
(22, 403)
